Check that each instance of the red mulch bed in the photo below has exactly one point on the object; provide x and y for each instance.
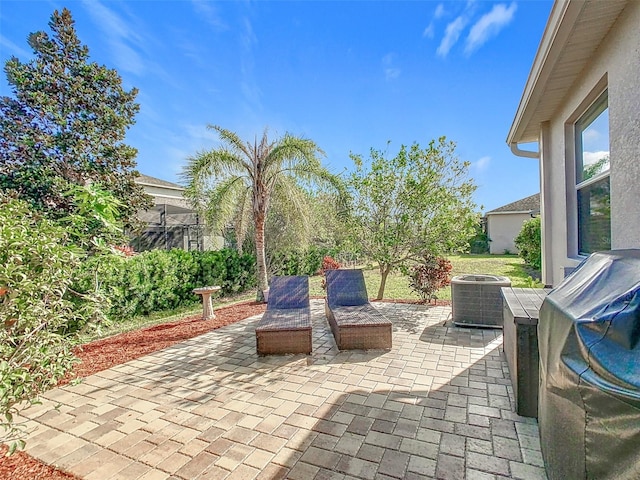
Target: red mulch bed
(102, 354)
(22, 466)
(108, 352)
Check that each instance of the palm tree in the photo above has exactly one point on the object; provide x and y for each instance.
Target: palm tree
(235, 183)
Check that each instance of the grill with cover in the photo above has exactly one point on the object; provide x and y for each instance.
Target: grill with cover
(589, 397)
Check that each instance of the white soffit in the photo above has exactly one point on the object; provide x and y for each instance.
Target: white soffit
(574, 31)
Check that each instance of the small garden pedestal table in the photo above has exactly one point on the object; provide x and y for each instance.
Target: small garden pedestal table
(207, 305)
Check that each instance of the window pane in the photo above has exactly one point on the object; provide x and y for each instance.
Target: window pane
(594, 217)
(593, 142)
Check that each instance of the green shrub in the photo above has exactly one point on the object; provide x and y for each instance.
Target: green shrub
(37, 269)
(479, 243)
(314, 258)
(528, 242)
(159, 280)
(233, 272)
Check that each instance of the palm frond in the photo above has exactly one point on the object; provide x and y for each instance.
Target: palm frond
(205, 165)
(241, 152)
(292, 151)
(293, 201)
(243, 217)
(234, 183)
(222, 202)
(289, 221)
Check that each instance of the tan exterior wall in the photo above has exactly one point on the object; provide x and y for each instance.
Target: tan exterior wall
(502, 229)
(171, 195)
(615, 66)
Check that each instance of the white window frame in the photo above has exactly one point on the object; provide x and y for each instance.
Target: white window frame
(590, 114)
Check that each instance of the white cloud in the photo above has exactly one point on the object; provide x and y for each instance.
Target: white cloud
(388, 59)
(430, 31)
(248, 36)
(249, 84)
(451, 36)
(199, 135)
(489, 25)
(122, 37)
(391, 72)
(207, 10)
(482, 164)
(589, 158)
(7, 44)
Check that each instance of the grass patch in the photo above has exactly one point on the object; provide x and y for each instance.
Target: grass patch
(511, 266)
(397, 287)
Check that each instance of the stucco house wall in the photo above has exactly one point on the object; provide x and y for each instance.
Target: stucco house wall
(504, 223)
(502, 229)
(615, 67)
(612, 65)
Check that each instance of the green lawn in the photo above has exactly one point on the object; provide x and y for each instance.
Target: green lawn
(397, 287)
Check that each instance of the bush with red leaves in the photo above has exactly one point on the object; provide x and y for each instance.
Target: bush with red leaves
(328, 263)
(125, 250)
(428, 277)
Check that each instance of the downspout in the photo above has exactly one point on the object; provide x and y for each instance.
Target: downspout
(545, 215)
(515, 149)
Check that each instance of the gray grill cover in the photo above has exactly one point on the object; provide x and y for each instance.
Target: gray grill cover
(589, 400)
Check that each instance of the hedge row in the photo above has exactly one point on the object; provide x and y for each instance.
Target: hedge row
(160, 280)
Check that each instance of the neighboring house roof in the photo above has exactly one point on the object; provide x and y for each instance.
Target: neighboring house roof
(156, 182)
(573, 33)
(524, 205)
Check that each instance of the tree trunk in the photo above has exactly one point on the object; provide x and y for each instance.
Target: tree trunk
(384, 273)
(261, 261)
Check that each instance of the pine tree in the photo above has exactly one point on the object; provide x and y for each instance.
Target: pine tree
(66, 126)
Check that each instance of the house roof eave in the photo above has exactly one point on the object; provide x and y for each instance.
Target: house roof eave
(520, 212)
(150, 181)
(573, 33)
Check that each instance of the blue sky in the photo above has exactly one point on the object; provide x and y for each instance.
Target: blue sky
(349, 75)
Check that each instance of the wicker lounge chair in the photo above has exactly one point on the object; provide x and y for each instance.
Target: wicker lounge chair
(355, 323)
(286, 325)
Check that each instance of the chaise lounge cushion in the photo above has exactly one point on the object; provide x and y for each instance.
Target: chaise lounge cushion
(287, 292)
(284, 319)
(354, 315)
(349, 299)
(286, 325)
(355, 323)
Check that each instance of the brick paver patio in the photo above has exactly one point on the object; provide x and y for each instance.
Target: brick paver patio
(439, 405)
